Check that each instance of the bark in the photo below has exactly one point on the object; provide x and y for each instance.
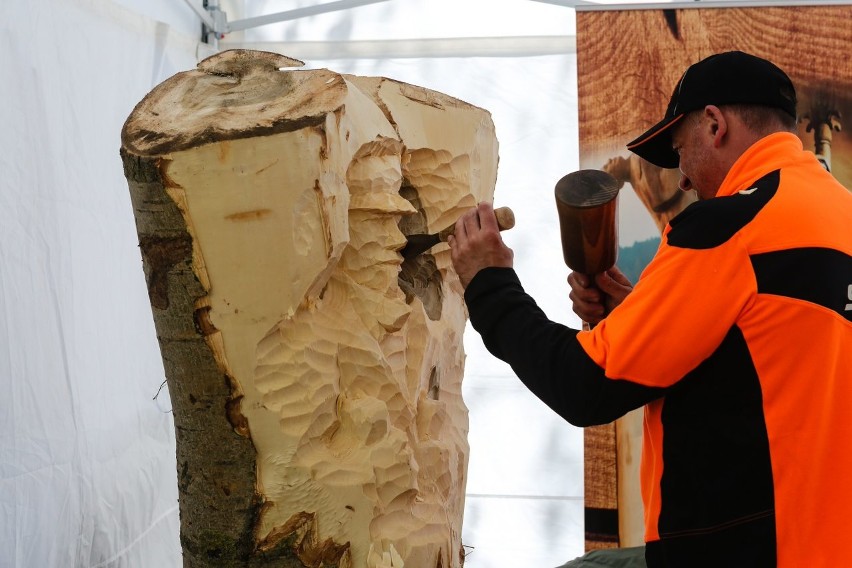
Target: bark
(315, 377)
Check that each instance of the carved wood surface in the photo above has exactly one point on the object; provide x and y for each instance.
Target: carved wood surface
(315, 376)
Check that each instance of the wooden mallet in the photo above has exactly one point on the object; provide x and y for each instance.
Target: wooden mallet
(587, 206)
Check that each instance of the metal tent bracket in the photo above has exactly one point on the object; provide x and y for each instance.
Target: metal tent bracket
(215, 22)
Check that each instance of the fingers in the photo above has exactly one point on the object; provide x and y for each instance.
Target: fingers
(460, 232)
(477, 244)
(594, 297)
(471, 222)
(586, 299)
(583, 287)
(615, 287)
(613, 283)
(617, 275)
(487, 219)
(478, 223)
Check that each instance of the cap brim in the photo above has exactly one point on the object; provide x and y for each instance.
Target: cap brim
(655, 145)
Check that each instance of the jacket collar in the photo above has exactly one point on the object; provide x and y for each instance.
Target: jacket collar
(766, 155)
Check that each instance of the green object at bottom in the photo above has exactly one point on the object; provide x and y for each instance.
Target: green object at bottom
(610, 558)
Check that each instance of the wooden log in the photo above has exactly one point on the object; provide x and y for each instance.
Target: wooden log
(315, 377)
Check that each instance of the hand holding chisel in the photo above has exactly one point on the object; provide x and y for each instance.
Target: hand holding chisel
(418, 244)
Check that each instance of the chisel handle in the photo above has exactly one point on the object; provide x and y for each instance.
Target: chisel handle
(505, 220)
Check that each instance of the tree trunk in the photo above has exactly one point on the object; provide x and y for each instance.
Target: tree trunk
(315, 377)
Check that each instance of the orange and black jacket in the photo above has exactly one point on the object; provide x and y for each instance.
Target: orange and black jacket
(737, 339)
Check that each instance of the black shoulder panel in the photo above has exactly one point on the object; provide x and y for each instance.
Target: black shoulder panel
(708, 224)
(817, 275)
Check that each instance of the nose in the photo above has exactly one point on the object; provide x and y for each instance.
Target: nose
(684, 184)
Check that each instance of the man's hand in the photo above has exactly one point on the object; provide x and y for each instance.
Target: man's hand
(594, 299)
(477, 244)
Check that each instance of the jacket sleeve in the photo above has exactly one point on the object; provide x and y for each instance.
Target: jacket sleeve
(546, 355)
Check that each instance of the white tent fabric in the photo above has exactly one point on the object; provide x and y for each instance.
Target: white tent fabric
(87, 466)
(87, 474)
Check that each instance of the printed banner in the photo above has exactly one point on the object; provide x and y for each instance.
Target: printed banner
(628, 61)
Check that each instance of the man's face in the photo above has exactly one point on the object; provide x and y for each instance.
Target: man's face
(692, 139)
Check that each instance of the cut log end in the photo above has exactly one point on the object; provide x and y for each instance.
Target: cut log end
(242, 62)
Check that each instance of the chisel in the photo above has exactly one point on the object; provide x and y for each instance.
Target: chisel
(420, 243)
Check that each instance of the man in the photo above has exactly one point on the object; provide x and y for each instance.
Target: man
(737, 339)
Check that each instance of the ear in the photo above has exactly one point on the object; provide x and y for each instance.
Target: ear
(717, 122)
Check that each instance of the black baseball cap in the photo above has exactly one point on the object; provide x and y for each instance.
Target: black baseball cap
(726, 78)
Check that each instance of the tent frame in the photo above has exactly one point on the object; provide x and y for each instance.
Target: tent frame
(216, 25)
